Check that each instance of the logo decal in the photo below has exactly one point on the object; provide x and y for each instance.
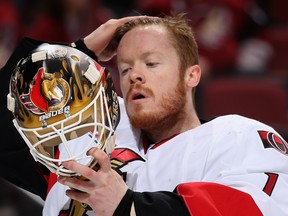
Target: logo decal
(272, 140)
(48, 95)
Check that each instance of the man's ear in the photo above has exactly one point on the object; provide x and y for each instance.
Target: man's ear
(193, 75)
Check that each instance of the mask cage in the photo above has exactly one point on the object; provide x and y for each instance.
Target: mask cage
(68, 138)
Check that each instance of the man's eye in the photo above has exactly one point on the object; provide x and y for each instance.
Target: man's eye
(152, 64)
(124, 71)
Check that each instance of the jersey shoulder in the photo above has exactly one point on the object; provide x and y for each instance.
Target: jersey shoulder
(239, 123)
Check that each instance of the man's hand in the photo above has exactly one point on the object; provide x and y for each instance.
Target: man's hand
(100, 37)
(102, 190)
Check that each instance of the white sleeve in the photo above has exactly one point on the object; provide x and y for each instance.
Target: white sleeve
(256, 162)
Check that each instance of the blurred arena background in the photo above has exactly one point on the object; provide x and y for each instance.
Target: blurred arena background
(243, 48)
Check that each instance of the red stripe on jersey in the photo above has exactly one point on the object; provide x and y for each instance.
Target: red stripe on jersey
(53, 176)
(125, 155)
(205, 198)
(146, 143)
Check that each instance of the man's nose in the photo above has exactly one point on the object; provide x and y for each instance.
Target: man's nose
(136, 76)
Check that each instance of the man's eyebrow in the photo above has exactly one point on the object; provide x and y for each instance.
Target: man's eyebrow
(143, 55)
(146, 54)
(122, 60)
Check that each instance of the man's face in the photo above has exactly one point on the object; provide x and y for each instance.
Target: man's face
(150, 80)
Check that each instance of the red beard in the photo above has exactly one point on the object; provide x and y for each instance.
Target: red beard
(167, 114)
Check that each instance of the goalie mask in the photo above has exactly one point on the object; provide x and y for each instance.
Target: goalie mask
(63, 104)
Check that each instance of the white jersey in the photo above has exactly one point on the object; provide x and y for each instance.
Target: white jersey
(231, 150)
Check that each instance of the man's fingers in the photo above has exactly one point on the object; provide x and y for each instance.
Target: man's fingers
(103, 164)
(101, 157)
(77, 195)
(80, 169)
(77, 184)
